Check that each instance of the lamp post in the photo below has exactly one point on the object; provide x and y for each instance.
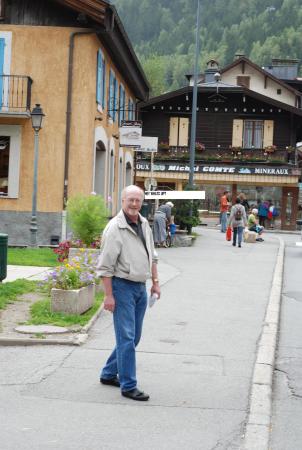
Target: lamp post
(194, 102)
(36, 118)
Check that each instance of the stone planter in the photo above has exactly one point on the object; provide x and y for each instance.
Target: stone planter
(73, 301)
(73, 251)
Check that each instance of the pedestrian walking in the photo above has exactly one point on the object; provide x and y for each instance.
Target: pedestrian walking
(237, 221)
(224, 207)
(162, 218)
(126, 261)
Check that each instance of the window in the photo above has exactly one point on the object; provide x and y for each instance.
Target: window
(179, 132)
(113, 94)
(253, 134)
(122, 105)
(131, 112)
(279, 91)
(10, 145)
(101, 80)
(243, 81)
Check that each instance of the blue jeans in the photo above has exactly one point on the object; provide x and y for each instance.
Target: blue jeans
(237, 231)
(130, 306)
(224, 218)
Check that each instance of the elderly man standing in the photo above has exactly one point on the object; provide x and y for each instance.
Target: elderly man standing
(127, 260)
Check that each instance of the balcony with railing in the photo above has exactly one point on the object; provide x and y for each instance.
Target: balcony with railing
(234, 155)
(15, 95)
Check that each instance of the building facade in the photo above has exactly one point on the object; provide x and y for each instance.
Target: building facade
(248, 124)
(75, 59)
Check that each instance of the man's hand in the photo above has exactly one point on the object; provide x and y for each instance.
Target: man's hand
(155, 289)
(109, 303)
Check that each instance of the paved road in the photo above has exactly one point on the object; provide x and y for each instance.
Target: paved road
(287, 405)
(196, 361)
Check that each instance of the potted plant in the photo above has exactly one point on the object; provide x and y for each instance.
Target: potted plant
(163, 145)
(72, 285)
(87, 217)
(186, 212)
(199, 147)
(236, 150)
(270, 149)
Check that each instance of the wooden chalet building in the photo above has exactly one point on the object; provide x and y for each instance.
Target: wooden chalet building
(248, 124)
(75, 59)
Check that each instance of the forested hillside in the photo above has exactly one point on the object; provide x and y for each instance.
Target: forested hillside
(163, 34)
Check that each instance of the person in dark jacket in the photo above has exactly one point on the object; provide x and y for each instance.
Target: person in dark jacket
(244, 202)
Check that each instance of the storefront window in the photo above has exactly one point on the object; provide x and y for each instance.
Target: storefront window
(4, 163)
(212, 196)
(257, 194)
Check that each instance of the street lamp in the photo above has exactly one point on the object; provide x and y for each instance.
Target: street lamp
(36, 119)
(194, 101)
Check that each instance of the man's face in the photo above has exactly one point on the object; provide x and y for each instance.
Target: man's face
(132, 203)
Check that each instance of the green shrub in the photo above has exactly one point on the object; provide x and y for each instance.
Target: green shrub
(87, 217)
(186, 212)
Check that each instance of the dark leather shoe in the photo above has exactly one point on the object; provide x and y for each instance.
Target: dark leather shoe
(136, 394)
(111, 381)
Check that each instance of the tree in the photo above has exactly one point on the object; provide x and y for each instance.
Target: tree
(163, 34)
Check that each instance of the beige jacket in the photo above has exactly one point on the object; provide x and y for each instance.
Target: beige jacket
(123, 254)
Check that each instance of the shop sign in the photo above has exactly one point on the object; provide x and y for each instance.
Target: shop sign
(219, 169)
(130, 133)
(148, 144)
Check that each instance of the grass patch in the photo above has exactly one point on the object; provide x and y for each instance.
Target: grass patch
(40, 257)
(41, 314)
(9, 292)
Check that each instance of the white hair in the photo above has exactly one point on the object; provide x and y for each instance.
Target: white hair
(132, 188)
(255, 211)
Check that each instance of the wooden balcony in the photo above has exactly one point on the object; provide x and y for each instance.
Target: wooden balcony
(226, 155)
(15, 95)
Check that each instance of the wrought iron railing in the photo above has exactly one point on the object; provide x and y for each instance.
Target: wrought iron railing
(15, 93)
(279, 156)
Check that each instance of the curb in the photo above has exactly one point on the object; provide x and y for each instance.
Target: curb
(258, 424)
(77, 340)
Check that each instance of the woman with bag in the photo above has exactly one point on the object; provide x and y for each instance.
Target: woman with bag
(237, 221)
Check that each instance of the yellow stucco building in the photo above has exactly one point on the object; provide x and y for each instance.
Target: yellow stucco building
(75, 59)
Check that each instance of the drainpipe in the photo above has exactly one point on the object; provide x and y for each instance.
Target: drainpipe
(69, 106)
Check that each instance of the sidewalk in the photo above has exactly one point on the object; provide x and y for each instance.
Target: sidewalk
(196, 360)
(30, 272)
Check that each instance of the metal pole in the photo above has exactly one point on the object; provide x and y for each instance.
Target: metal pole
(194, 102)
(33, 223)
(152, 162)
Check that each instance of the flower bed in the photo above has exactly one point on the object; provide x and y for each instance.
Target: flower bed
(72, 285)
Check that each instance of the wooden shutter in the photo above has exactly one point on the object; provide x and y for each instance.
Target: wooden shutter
(268, 133)
(116, 89)
(99, 78)
(104, 84)
(2, 14)
(173, 136)
(110, 96)
(237, 133)
(183, 132)
(120, 113)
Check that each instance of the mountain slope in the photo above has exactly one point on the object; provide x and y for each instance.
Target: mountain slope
(163, 34)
